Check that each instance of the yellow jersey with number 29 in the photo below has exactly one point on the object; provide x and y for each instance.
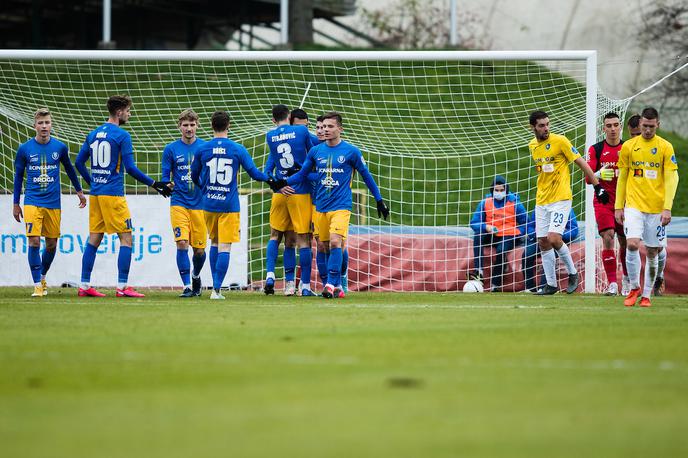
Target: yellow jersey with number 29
(646, 161)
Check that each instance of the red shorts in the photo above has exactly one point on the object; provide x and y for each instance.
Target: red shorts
(604, 215)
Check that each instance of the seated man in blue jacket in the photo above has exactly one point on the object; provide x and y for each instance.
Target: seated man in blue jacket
(530, 252)
(498, 221)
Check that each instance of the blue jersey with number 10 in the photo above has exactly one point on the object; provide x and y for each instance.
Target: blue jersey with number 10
(110, 151)
(214, 169)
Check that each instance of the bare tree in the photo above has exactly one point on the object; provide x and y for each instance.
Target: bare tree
(418, 24)
(665, 33)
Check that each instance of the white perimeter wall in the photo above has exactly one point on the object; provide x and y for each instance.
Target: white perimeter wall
(154, 252)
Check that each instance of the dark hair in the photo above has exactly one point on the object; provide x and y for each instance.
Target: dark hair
(319, 118)
(118, 102)
(220, 121)
(535, 115)
(650, 113)
(280, 112)
(634, 121)
(611, 115)
(333, 115)
(297, 113)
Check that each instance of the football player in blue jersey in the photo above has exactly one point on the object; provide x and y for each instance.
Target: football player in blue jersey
(290, 216)
(335, 161)
(214, 170)
(109, 150)
(299, 117)
(186, 211)
(40, 157)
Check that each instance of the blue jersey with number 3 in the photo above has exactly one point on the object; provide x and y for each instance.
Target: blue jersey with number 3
(214, 169)
(288, 147)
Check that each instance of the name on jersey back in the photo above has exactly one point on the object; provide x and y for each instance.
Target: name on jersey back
(282, 137)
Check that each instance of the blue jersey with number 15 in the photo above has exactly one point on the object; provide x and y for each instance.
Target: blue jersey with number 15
(214, 169)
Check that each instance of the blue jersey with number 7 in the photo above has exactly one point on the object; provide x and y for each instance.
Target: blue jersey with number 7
(217, 161)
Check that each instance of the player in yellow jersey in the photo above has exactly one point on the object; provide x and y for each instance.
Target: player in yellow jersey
(648, 178)
(552, 154)
(658, 289)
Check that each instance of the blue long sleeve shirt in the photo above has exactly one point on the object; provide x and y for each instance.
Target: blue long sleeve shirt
(109, 149)
(334, 166)
(478, 220)
(177, 158)
(41, 162)
(214, 170)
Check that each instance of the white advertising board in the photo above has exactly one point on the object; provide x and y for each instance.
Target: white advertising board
(154, 253)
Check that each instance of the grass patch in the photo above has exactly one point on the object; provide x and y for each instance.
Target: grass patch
(371, 375)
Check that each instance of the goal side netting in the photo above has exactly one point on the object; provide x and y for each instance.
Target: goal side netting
(435, 130)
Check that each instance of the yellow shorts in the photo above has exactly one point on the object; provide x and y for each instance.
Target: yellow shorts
(108, 214)
(314, 221)
(188, 225)
(41, 221)
(291, 213)
(336, 222)
(222, 227)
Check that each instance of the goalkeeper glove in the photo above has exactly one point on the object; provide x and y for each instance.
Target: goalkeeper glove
(293, 170)
(605, 174)
(382, 210)
(276, 185)
(601, 194)
(162, 188)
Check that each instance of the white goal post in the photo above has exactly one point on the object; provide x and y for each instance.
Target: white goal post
(436, 121)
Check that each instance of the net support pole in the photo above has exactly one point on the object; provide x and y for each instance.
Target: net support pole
(107, 15)
(454, 35)
(590, 139)
(284, 22)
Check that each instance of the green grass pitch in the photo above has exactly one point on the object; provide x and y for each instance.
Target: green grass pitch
(375, 374)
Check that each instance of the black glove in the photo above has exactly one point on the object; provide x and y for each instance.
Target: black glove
(601, 194)
(276, 185)
(293, 170)
(162, 188)
(382, 210)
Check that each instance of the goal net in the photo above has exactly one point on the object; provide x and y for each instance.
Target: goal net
(435, 128)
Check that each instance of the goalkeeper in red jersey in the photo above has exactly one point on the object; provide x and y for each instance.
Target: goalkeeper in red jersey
(602, 159)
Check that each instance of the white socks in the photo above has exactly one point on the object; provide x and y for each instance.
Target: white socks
(565, 256)
(650, 275)
(633, 267)
(661, 262)
(548, 265)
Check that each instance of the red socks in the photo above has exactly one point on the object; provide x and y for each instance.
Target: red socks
(609, 262)
(622, 258)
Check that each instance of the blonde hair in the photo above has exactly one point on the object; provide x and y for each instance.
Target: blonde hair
(41, 112)
(187, 115)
